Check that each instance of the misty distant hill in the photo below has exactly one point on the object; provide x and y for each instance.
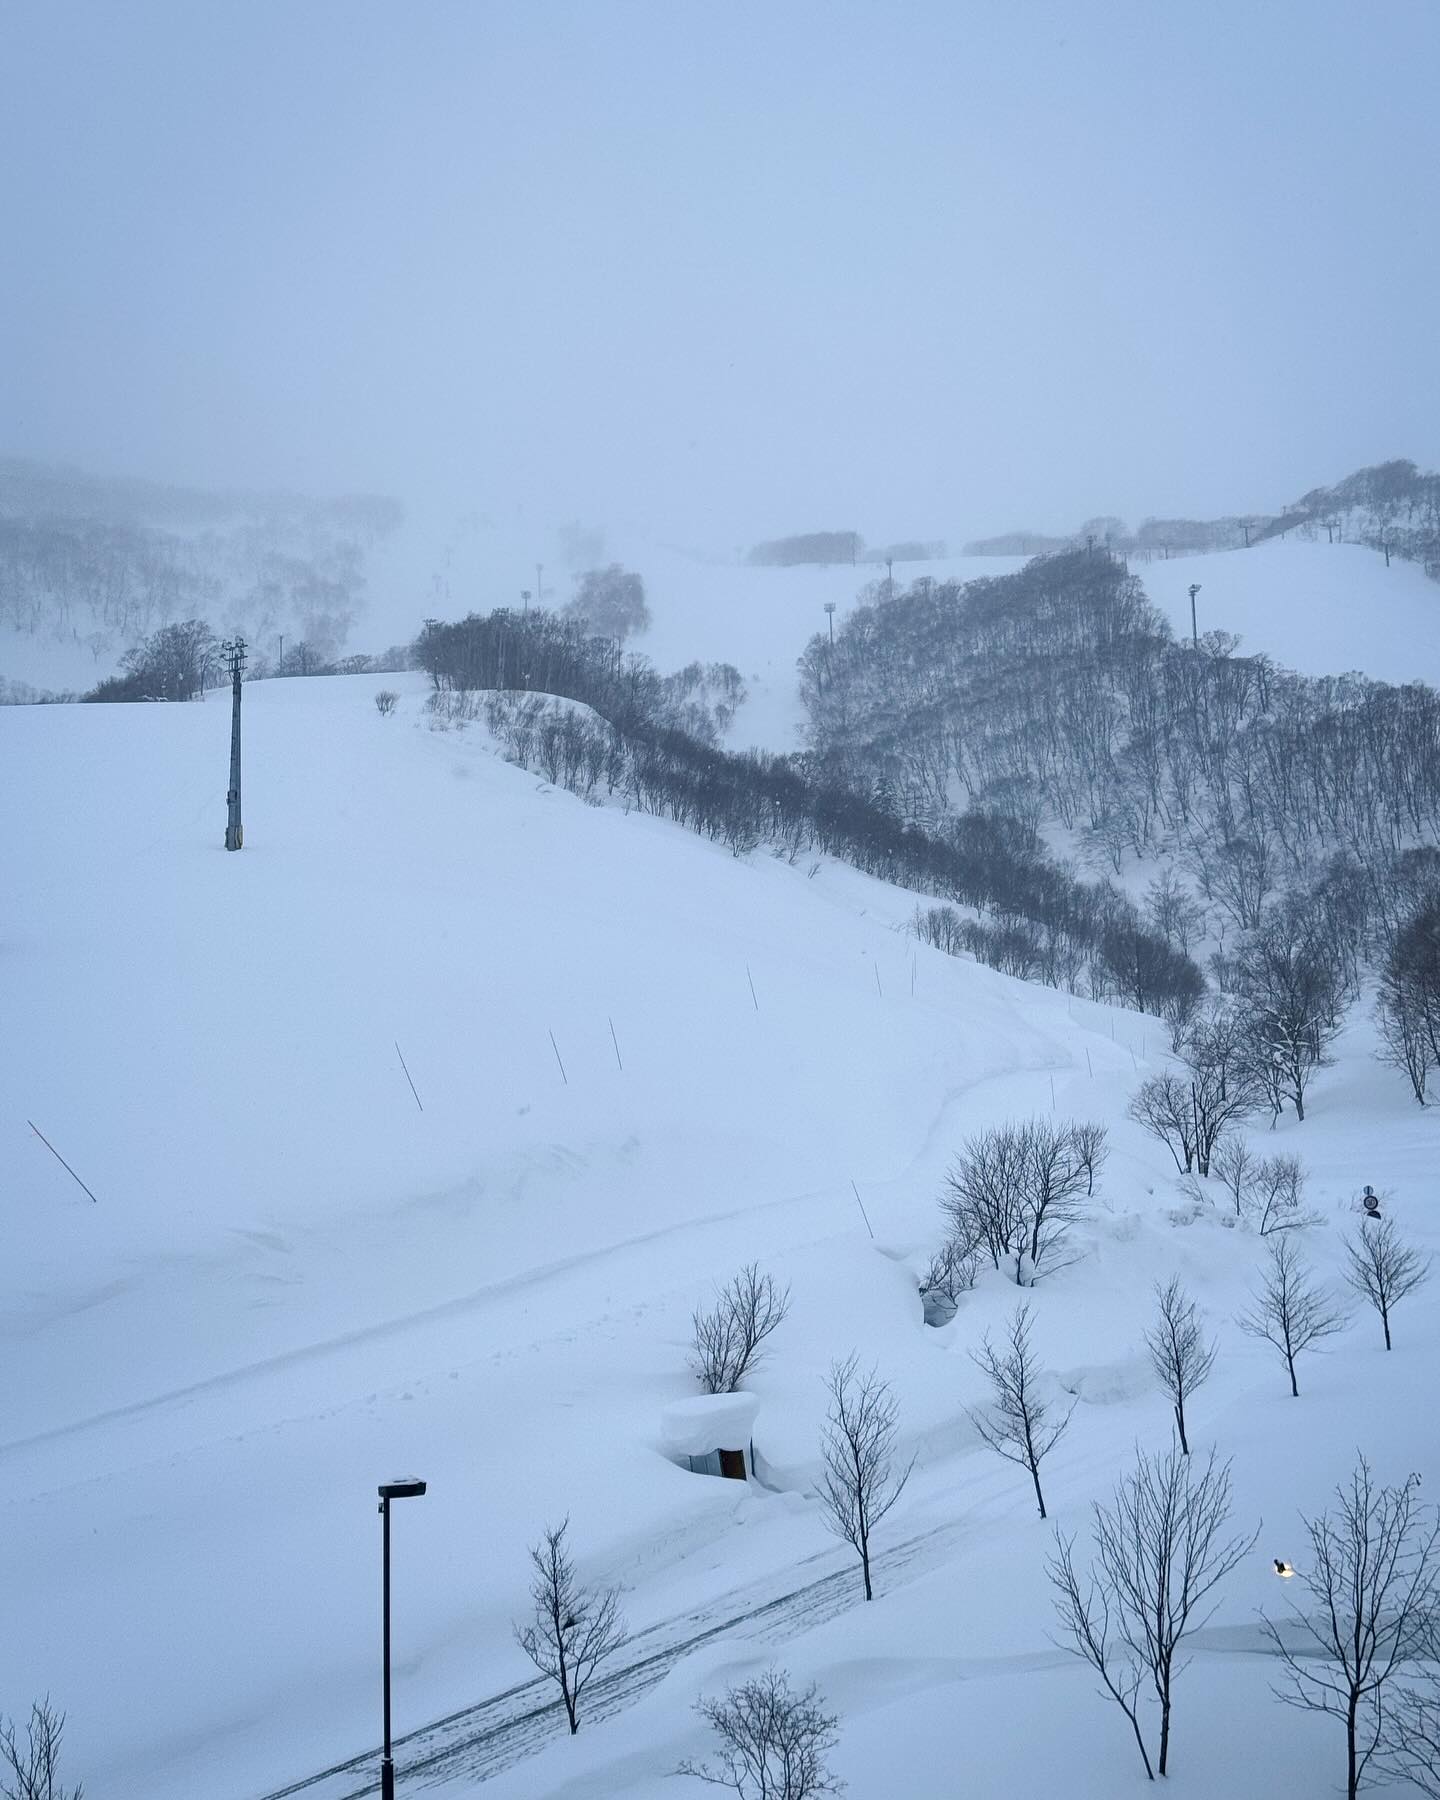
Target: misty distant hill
(99, 561)
(1391, 507)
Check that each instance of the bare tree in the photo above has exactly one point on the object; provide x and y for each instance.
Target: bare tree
(1373, 1582)
(1233, 1165)
(386, 701)
(1018, 1423)
(728, 1335)
(773, 1741)
(863, 1479)
(1410, 1740)
(1223, 1084)
(31, 1772)
(1383, 1269)
(1092, 1151)
(1058, 1177)
(1180, 1354)
(1277, 1190)
(1290, 1311)
(575, 1627)
(1017, 1190)
(1164, 1106)
(1160, 1551)
(950, 1272)
(984, 1195)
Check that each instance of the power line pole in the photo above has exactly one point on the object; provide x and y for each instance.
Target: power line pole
(233, 650)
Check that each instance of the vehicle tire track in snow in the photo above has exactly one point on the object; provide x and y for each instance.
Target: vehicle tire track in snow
(482, 1740)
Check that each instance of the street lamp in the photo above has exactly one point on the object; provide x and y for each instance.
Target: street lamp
(1194, 633)
(830, 611)
(391, 1490)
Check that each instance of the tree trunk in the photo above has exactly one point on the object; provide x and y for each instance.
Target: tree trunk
(1180, 1426)
(1039, 1497)
(1294, 1385)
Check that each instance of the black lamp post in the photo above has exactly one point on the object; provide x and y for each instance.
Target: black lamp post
(391, 1490)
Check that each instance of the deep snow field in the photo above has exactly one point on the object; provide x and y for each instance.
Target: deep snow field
(295, 1283)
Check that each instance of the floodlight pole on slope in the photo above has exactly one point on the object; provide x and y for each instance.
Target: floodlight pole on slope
(1194, 629)
(233, 650)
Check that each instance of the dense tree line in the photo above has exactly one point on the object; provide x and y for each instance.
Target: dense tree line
(655, 744)
(1297, 817)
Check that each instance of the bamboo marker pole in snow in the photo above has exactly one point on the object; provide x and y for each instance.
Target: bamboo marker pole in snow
(751, 979)
(1052, 1093)
(1088, 1064)
(878, 989)
(418, 1100)
(556, 1048)
(863, 1214)
(912, 977)
(59, 1158)
(616, 1042)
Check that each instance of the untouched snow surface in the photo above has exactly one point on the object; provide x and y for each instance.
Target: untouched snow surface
(296, 1283)
(1322, 609)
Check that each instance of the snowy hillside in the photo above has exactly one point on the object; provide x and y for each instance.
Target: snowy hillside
(1322, 609)
(640, 1062)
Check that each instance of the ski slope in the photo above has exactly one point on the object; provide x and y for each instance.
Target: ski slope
(641, 1062)
(1322, 609)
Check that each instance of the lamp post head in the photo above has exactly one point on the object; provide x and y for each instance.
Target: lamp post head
(401, 1490)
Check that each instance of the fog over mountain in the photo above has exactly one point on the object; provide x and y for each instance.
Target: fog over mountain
(719, 274)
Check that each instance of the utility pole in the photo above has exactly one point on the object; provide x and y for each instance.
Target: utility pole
(539, 584)
(1194, 633)
(233, 650)
(830, 609)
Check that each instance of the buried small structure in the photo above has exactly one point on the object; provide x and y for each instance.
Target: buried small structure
(710, 1434)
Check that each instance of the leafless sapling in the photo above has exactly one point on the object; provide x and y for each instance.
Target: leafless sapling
(1290, 1311)
(1372, 1584)
(385, 702)
(575, 1628)
(31, 1771)
(1276, 1195)
(1160, 1550)
(1092, 1151)
(1017, 1423)
(1382, 1268)
(1180, 1354)
(728, 1334)
(863, 1478)
(1233, 1166)
(950, 1273)
(773, 1741)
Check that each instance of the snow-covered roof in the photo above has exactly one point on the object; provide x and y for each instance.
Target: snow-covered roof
(708, 1422)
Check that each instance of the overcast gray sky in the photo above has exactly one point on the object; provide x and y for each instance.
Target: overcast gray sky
(727, 269)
